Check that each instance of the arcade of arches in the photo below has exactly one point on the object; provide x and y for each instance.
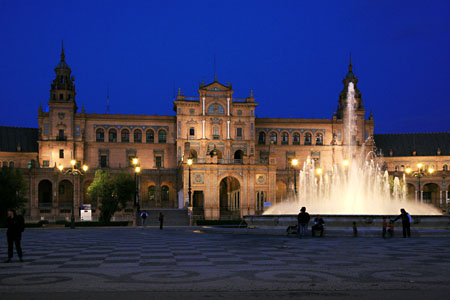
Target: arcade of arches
(230, 198)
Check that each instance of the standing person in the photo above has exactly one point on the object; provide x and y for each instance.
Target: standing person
(406, 222)
(16, 226)
(144, 216)
(384, 227)
(161, 220)
(355, 230)
(303, 220)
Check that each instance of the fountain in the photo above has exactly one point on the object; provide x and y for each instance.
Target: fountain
(356, 186)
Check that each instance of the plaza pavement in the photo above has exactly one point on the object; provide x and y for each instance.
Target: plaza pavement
(189, 263)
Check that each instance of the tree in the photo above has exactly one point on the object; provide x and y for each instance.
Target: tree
(12, 191)
(113, 191)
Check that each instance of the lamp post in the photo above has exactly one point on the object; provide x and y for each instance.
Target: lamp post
(74, 172)
(419, 173)
(294, 163)
(137, 170)
(189, 162)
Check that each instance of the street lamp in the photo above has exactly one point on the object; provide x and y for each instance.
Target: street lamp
(137, 170)
(419, 173)
(294, 163)
(345, 163)
(319, 171)
(189, 162)
(74, 172)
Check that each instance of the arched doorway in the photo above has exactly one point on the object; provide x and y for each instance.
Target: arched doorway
(281, 191)
(230, 198)
(65, 195)
(431, 194)
(410, 191)
(45, 193)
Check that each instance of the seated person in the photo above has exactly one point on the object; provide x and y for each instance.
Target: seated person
(319, 225)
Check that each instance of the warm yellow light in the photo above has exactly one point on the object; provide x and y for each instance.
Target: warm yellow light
(419, 165)
(73, 162)
(319, 171)
(294, 162)
(60, 167)
(137, 169)
(345, 163)
(189, 161)
(85, 168)
(408, 170)
(135, 161)
(430, 170)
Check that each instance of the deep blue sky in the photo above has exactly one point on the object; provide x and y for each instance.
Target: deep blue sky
(293, 54)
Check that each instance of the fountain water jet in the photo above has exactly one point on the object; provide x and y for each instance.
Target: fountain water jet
(357, 186)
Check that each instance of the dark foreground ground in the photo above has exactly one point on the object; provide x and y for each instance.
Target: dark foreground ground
(183, 263)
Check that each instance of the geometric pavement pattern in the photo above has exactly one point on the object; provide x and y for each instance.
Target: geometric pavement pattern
(185, 259)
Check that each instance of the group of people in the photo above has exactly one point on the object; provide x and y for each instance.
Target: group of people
(144, 216)
(303, 221)
(319, 224)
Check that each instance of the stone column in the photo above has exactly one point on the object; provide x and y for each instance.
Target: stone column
(228, 129)
(203, 129)
(203, 99)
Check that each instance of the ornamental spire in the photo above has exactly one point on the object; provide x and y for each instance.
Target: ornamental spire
(62, 51)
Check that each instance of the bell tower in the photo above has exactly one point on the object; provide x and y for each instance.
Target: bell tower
(350, 77)
(351, 110)
(62, 105)
(62, 88)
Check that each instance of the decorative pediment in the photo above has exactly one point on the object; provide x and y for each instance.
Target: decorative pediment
(191, 121)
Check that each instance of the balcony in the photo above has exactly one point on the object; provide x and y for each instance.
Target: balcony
(61, 138)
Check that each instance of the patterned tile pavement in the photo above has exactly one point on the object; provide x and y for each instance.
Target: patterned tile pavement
(185, 259)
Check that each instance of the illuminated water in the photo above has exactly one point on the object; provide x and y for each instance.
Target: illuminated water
(355, 185)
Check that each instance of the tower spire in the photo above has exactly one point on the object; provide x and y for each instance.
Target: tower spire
(63, 56)
(215, 74)
(350, 63)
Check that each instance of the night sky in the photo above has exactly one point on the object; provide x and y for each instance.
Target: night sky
(293, 54)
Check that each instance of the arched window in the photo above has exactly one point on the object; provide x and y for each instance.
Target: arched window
(284, 138)
(100, 135)
(138, 136)
(238, 155)
(112, 136)
(150, 136)
(11, 164)
(396, 168)
(296, 139)
(162, 135)
(273, 138)
(215, 109)
(261, 138)
(125, 136)
(164, 193)
(307, 138)
(445, 168)
(319, 138)
(151, 193)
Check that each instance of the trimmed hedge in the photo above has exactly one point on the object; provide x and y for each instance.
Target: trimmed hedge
(97, 224)
(221, 222)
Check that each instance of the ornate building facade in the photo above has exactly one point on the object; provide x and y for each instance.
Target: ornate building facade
(241, 163)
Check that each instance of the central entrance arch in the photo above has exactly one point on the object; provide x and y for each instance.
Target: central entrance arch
(230, 198)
